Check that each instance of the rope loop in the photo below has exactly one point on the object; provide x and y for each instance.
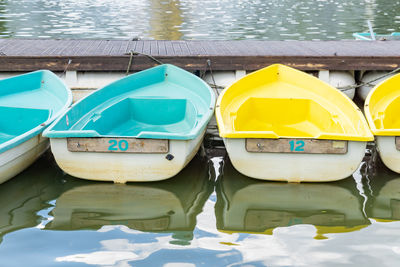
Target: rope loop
(214, 85)
(134, 53)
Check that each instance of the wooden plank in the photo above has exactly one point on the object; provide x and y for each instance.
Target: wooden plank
(224, 63)
(29, 47)
(105, 48)
(170, 49)
(102, 55)
(298, 146)
(4, 45)
(184, 48)
(176, 47)
(12, 46)
(209, 48)
(132, 46)
(162, 51)
(60, 48)
(116, 48)
(221, 48)
(196, 48)
(89, 47)
(93, 47)
(154, 49)
(77, 48)
(139, 47)
(146, 48)
(73, 46)
(118, 145)
(124, 48)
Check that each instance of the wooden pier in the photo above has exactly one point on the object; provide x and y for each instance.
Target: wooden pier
(114, 55)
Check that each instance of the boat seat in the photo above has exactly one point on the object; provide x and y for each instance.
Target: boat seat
(389, 119)
(24, 119)
(131, 116)
(286, 117)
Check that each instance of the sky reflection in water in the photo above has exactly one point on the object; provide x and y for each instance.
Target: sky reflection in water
(209, 214)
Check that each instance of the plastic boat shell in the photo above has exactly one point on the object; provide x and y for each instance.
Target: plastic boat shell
(284, 104)
(165, 109)
(28, 104)
(366, 36)
(382, 109)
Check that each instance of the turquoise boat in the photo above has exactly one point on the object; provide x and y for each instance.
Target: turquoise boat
(144, 127)
(28, 104)
(366, 36)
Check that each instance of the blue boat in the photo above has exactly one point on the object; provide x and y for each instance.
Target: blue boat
(28, 104)
(144, 127)
(366, 36)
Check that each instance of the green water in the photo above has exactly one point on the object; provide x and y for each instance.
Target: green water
(193, 19)
(207, 215)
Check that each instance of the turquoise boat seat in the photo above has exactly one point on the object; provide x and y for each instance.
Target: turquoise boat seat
(131, 116)
(14, 122)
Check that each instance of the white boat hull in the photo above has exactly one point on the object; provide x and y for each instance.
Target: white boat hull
(18, 158)
(387, 151)
(339, 79)
(295, 167)
(125, 167)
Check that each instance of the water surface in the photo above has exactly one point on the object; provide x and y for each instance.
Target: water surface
(192, 19)
(209, 215)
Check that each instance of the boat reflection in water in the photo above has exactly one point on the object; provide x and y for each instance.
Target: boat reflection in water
(254, 206)
(23, 197)
(383, 190)
(167, 206)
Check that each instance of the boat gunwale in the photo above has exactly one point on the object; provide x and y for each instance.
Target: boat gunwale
(368, 114)
(231, 133)
(19, 139)
(199, 125)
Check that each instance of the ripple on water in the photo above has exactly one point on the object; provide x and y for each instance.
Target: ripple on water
(190, 19)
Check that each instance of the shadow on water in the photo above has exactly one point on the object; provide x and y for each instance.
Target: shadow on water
(382, 187)
(168, 206)
(22, 197)
(255, 206)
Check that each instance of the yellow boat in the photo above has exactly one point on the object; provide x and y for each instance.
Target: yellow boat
(382, 110)
(279, 123)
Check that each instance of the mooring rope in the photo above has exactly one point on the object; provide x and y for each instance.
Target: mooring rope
(211, 72)
(134, 53)
(129, 63)
(214, 84)
(353, 86)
